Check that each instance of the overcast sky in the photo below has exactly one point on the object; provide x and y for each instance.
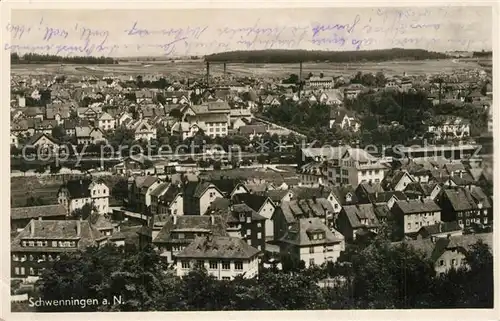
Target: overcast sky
(199, 32)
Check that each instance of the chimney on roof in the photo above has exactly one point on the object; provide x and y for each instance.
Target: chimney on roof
(78, 227)
(32, 228)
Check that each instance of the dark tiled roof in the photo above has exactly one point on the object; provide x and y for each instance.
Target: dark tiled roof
(225, 185)
(160, 189)
(221, 247)
(172, 191)
(56, 230)
(441, 227)
(341, 192)
(300, 233)
(310, 192)
(33, 212)
(356, 213)
(195, 189)
(433, 251)
(254, 201)
(37, 136)
(418, 206)
(191, 222)
(460, 199)
(78, 188)
(276, 195)
(306, 208)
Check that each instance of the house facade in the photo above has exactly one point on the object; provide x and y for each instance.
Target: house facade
(311, 241)
(74, 194)
(223, 257)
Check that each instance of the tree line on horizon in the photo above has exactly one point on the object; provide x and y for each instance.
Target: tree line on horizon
(295, 56)
(33, 58)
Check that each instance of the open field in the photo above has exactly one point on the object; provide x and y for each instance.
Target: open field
(197, 68)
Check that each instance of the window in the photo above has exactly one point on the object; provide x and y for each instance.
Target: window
(238, 265)
(459, 214)
(32, 271)
(212, 194)
(460, 222)
(22, 271)
(311, 250)
(453, 262)
(259, 235)
(226, 278)
(185, 264)
(249, 232)
(200, 263)
(31, 257)
(259, 224)
(311, 262)
(16, 271)
(226, 265)
(441, 263)
(259, 247)
(15, 257)
(467, 222)
(249, 219)
(214, 265)
(336, 206)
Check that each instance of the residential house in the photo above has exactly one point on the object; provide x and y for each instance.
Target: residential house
(44, 143)
(357, 220)
(411, 215)
(144, 130)
(450, 252)
(58, 113)
(229, 187)
(197, 197)
(74, 194)
(344, 119)
(311, 241)
(45, 126)
(356, 166)
(252, 131)
(461, 206)
(177, 232)
(43, 241)
(263, 206)
(313, 174)
(397, 180)
(449, 127)
(86, 135)
(223, 257)
(440, 230)
(106, 122)
(289, 212)
(352, 91)
(212, 117)
(159, 191)
(140, 193)
(21, 216)
(321, 82)
(242, 222)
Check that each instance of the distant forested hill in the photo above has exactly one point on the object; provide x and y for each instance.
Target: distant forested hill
(292, 56)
